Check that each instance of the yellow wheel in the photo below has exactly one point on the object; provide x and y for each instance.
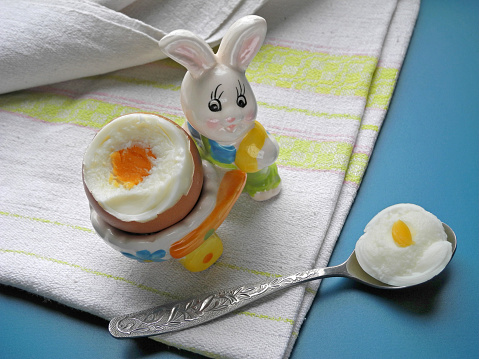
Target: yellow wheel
(205, 255)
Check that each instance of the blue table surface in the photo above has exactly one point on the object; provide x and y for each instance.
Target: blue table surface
(427, 154)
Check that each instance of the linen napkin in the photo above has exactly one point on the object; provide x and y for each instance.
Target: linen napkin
(323, 81)
(47, 41)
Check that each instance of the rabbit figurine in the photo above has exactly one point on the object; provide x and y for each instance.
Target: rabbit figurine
(220, 106)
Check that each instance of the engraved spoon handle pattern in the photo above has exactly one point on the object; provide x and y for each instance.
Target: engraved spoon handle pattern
(188, 313)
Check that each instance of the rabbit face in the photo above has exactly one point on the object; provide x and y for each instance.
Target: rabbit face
(220, 105)
(215, 95)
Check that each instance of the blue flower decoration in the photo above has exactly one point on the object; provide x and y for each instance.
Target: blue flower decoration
(147, 256)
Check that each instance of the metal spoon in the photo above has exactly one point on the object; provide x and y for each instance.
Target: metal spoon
(189, 313)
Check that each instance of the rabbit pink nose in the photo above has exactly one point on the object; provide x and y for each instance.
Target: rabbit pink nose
(230, 119)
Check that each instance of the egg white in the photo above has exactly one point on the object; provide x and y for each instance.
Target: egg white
(168, 180)
(380, 256)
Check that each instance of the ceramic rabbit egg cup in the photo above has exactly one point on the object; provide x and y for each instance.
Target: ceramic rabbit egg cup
(238, 155)
(192, 240)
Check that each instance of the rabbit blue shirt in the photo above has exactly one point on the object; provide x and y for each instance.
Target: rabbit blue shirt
(220, 153)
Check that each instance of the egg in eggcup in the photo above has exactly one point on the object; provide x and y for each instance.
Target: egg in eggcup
(142, 173)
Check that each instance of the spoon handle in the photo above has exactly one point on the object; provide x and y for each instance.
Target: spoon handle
(189, 313)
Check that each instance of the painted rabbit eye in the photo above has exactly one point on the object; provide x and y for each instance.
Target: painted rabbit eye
(215, 104)
(241, 101)
(240, 97)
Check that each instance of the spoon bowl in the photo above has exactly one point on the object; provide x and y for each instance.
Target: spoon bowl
(192, 312)
(354, 271)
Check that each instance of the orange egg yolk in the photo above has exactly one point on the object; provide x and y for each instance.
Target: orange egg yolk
(131, 165)
(401, 234)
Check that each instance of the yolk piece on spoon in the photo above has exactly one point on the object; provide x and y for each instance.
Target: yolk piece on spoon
(401, 234)
(131, 165)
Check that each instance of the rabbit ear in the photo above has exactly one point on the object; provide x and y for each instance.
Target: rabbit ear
(242, 42)
(189, 50)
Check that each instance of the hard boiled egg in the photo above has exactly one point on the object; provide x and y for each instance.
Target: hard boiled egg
(403, 245)
(142, 173)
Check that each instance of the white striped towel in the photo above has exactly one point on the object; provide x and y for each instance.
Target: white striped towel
(323, 81)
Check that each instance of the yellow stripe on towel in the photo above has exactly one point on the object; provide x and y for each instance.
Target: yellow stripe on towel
(295, 152)
(382, 87)
(50, 107)
(356, 168)
(338, 75)
(127, 281)
(313, 155)
(90, 271)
